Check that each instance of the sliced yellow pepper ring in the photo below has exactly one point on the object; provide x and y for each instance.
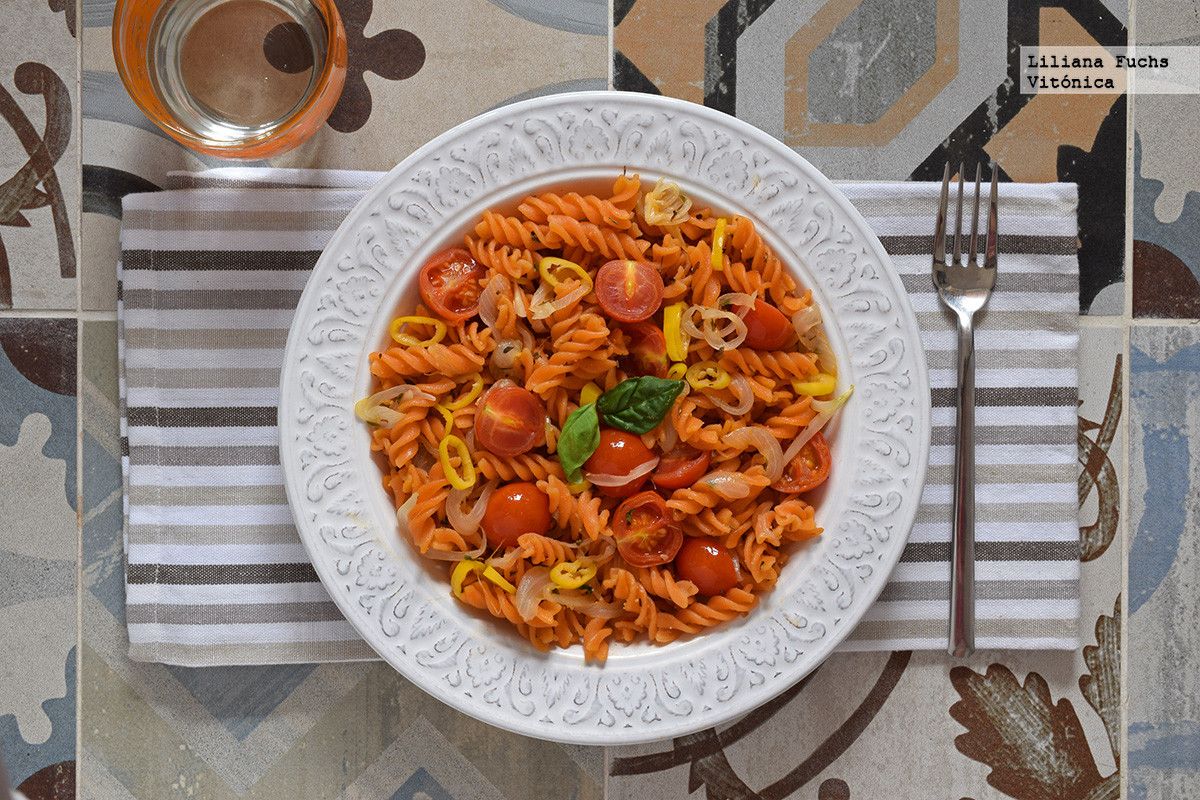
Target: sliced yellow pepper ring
(677, 372)
(495, 577)
(677, 339)
(407, 339)
(718, 246)
(465, 479)
(589, 393)
(447, 416)
(552, 269)
(460, 573)
(707, 375)
(817, 386)
(469, 397)
(578, 488)
(572, 574)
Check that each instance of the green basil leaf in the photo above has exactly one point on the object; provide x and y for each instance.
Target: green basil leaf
(579, 439)
(639, 404)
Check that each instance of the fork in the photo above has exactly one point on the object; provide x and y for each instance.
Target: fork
(964, 288)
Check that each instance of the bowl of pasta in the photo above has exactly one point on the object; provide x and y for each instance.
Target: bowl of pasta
(604, 417)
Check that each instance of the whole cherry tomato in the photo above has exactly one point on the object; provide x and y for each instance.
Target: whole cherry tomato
(618, 453)
(708, 565)
(513, 509)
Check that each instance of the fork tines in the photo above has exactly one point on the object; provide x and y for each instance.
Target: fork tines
(939, 241)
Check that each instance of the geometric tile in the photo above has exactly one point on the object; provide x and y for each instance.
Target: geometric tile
(872, 91)
(862, 69)
(242, 697)
(421, 781)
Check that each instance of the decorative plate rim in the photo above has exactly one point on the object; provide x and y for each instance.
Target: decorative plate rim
(719, 675)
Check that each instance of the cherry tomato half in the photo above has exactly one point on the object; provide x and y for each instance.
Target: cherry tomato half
(513, 509)
(766, 327)
(646, 536)
(629, 291)
(708, 565)
(617, 454)
(808, 469)
(509, 420)
(647, 350)
(681, 467)
(449, 284)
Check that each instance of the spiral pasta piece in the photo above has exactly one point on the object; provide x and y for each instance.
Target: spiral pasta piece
(399, 442)
(661, 582)
(525, 467)
(579, 354)
(695, 498)
(791, 419)
(595, 239)
(515, 233)
(634, 598)
(790, 521)
(595, 639)
(743, 237)
(775, 363)
(539, 208)
(541, 549)
(626, 191)
(722, 608)
(429, 506)
(580, 514)
(438, 359)
(517, 263)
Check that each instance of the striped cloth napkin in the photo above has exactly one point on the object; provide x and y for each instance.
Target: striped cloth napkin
(210, 276)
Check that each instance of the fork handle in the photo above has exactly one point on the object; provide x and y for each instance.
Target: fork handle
(962, 550)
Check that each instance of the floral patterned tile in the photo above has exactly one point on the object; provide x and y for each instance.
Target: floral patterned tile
(38, 555)
(39, 154)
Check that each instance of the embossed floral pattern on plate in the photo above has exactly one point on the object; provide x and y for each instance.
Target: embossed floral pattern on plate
(642, 693)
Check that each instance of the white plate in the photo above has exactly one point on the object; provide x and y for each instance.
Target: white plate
(401, 604)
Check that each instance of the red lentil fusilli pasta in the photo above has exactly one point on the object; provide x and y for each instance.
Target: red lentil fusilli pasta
(605, 416)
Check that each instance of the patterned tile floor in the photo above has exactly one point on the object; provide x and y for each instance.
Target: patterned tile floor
(865, 89)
